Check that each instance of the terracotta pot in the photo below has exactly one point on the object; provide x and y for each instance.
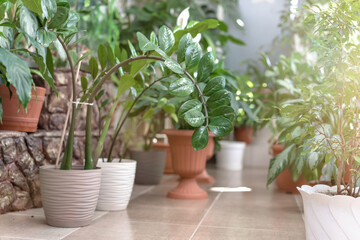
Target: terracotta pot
(243, 134)
(168, 163)
(69, 197)
(149, 166)
(19, 120)
(284, 180)
(188, 163)
(117, 182)
(204, 176)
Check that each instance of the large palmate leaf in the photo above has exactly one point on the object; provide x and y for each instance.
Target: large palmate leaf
(18, 74)
(166, 39)
(200, 138)
(279, 164)
(206, 66)
(182, 87)
(220, 126)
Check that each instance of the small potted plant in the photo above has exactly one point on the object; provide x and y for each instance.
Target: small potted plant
(24, 36)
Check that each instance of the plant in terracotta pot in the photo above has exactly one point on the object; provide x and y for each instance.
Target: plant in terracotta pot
(27, 29)
(329, 110)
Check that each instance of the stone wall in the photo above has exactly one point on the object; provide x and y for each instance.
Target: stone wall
(21, 154)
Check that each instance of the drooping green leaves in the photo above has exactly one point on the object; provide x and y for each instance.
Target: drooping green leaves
(279, 164)
(49, 8)
(18, 74)
(194, 118)
(206, 66)
(34, 6)
(192, 55)
(214, 85)
(220, 98)
(200, 138)
(220, 126)
(61, 15)
(28, 22)
(45, 37)
(188, 105)
(166, 39)
(182, 87)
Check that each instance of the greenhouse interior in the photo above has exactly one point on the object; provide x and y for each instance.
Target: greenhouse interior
(180, 120)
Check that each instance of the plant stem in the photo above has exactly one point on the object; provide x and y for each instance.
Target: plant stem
(67, 159)
(88, 154)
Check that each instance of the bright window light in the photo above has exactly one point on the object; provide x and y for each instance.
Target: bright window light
(230, 189)
(240, 22)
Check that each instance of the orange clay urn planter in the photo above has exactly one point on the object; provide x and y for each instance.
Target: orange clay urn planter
(21, 120)
(188, 163)
(284, 181)
(204, 177)
(243, 134)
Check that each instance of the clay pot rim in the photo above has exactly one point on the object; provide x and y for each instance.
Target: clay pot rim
(183, 132)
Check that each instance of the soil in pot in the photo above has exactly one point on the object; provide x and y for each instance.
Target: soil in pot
(188, 163)
(149, 166)
(69, 197)
(16, 119)
(243, 134)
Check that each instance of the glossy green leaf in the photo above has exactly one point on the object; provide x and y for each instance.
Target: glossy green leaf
(194, 118)
(110, 55)
(173, 66)
(169, 108)
(149, 113)
(102, 55)
(100, 94)
(45, 37)
(132, 49)
(220, 98)
(153, 38)
(192, 55)
(144, 43)
(200, 138)
(49, 8)
(84, 83)
(225, 111)
(206, 66)
(214, 85)
(182, 87)
(93, 67)
(60, 17)
(28, 22)
(188, 105)
(184, 43)
(18, 74)
(73, 19)
(166, 39)
(279, 164)
(33, 5)
(220, 126)
(126, 81)
(313, 159)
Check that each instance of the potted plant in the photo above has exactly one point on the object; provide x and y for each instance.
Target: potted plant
(26, 31)
(330, 109)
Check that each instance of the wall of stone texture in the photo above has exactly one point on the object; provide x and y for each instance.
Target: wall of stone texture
(21, 154)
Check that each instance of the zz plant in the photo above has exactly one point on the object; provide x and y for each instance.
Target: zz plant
(158, 48)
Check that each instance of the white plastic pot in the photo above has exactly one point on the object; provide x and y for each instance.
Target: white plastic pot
(117, 182)
(330, 217)
(231, 155)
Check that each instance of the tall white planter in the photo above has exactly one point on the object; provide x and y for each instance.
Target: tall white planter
(330, 217)
(231, 155)
(117, 182)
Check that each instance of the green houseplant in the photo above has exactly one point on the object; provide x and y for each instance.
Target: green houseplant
(328, 115)
(26, 32)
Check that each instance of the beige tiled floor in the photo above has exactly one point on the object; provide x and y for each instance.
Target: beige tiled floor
(260, 214)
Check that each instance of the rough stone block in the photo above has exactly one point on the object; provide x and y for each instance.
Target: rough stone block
(35, 149)
(57, 121)
(22, 201)
(51, 146)
(20, 145)
(34, 185)
(9, 150)
(58, 104)
(7, 196)
(27, 164)
(17, 178)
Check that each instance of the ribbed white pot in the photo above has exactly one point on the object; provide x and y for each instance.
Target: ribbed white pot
(231, 155)
(69, 197)
(330, 217)
(117, 182)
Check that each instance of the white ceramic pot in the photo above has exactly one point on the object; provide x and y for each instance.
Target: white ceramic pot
(231, 155)
(69, 196)
(330, 217)
(117, 182)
